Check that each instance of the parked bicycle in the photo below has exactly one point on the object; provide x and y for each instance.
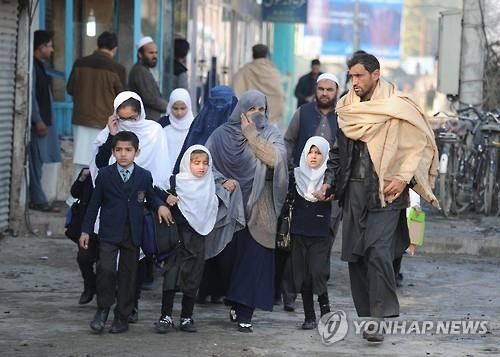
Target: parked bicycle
(469, 162)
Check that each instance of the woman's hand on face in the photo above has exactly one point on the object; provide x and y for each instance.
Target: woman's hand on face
(230, 185)
(245, 122)
(113, 124)
(172, 200)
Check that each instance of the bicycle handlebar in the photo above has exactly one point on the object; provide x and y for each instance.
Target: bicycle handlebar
(468, 109)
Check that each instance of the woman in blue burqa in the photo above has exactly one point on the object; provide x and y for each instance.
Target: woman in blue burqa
(249, 150)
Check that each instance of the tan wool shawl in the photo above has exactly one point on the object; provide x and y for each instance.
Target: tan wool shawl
(398, 136)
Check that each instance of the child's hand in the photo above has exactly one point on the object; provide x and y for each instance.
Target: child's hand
(230, 185)
(321, 194)
(164, 214)
(411, 249)
(113, 124)
(171, 200)
(84, 240)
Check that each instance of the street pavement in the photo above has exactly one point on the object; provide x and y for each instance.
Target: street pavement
(39, 314)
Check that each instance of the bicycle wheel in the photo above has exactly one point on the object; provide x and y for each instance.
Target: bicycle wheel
(446, 180)
(462, 182)
(480, 182)
(489, 187)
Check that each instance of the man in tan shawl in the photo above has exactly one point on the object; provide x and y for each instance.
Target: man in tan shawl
(260, 74)
(385, 146)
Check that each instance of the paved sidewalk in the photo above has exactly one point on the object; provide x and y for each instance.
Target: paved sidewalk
(39, 314)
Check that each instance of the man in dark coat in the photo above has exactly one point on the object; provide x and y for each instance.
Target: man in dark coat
(374, 233)
(44, 144)
(304, 91)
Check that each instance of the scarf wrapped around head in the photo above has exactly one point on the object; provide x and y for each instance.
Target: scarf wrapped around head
(197, 199)
(178, 129)
(235, 159)
(151, 142)
(214, 113)
(307, 179)
(398, 136)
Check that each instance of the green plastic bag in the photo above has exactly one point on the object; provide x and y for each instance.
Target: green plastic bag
(416, 226)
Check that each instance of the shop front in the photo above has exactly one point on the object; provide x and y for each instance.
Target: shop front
(77, 24)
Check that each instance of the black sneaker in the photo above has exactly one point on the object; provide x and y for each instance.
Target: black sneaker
(134, 316)
(187, 325)
(164, 324)
(324, 309)
(372, 334)
(246, 328)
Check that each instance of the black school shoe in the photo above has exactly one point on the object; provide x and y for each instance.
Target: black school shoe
(309, 324)
(100, 318)
(118, 325)
(187, 325)
(87, 296)
(164, 324)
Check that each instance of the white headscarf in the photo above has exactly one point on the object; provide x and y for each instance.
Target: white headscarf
(179, 127)
(307, 179)
(152, 143)
(196, 195)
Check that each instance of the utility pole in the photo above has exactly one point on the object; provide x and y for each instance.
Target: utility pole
(356, 28)
(473, 54)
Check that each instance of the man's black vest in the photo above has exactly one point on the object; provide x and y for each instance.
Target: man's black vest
(310, 118)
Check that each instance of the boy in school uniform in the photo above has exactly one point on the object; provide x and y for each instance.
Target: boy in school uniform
(121, 190)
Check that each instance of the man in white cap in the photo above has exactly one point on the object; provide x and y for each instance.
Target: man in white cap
(142, 81)
(317, 118)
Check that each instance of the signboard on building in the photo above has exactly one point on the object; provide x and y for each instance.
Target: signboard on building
(287, 11)
(380, 26)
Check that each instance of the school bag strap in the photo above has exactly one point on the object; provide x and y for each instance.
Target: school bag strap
(171, 190)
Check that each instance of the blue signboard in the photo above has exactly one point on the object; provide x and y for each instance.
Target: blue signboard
(288, 11)
(380, 22)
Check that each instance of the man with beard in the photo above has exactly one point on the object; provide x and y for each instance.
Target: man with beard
(385, 145)
(317, 118)
(142, 81)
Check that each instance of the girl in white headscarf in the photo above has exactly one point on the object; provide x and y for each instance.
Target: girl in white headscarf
(178, 121)
(194, 205)
(310, 230)
(129, 114)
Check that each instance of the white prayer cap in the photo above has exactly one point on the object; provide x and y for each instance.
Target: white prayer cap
(329, 76)
(143, 41)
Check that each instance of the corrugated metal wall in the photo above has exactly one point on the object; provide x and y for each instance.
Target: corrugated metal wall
(8, 40)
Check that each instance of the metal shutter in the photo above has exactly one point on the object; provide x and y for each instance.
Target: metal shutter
(8, 41)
